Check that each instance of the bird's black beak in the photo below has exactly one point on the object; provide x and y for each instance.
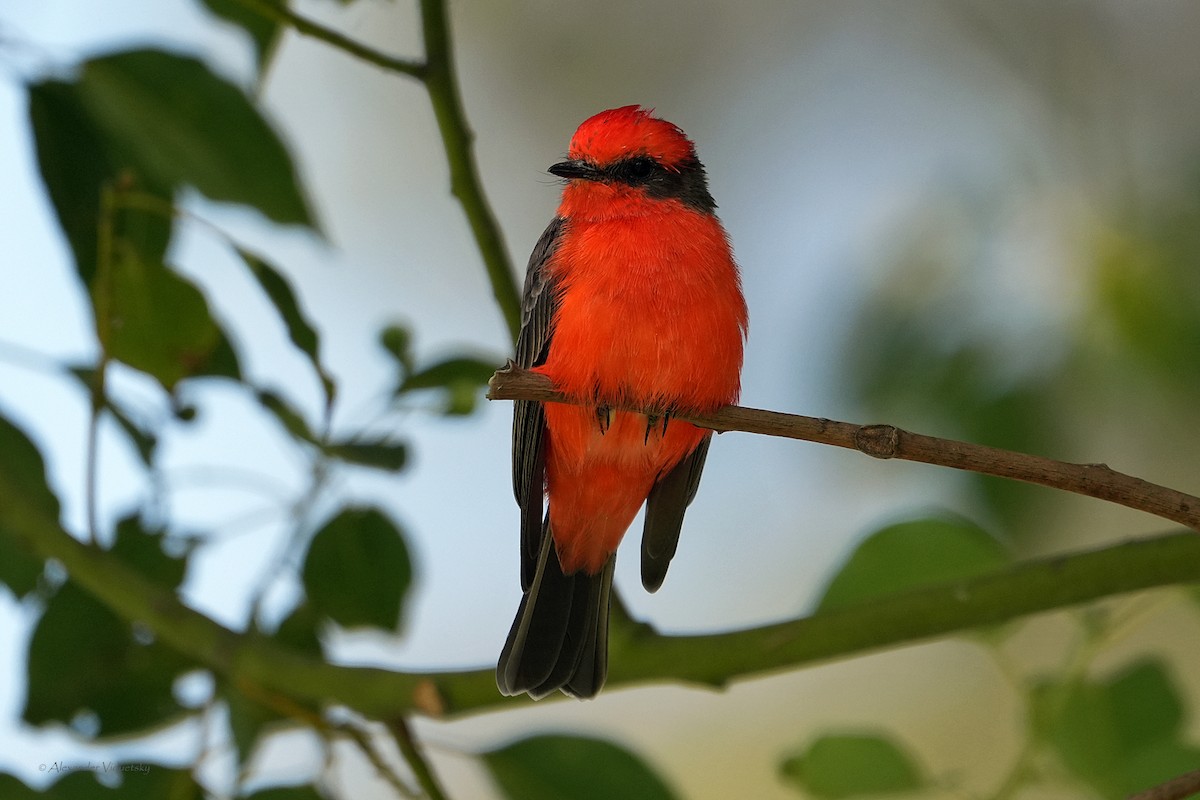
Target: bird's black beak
(574, 169)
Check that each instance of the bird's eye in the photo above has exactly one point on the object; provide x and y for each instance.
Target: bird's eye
(640, 168)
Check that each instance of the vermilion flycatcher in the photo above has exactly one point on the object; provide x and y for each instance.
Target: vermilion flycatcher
(632, 298)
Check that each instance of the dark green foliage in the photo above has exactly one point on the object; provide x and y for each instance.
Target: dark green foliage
(357, 571)
(1119, 735)
(300, 329)
(139, 781)
(264, 32)
(179, 124)
(159, 323)
(913, 554)
(23, 470)
(849, 765)
(573, 768)
(84, 658)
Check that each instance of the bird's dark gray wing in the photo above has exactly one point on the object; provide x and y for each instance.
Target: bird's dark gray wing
(538, 303)
(668, 499)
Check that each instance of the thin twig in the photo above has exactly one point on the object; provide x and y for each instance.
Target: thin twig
(1178, 788)
(416, 759)
(303, 25)
(888, 441)
(442, 83)
(363, 741)
(437, 73)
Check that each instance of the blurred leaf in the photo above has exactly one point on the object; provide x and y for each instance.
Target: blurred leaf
(246, 721)
(181, 124)
(1157, 763)
(264, 32)
(847, 765)
(13, 788)
(461, 378)
(159, 323)
(299, 630)
(380, 454)
(139, 780)
(1149, 294)
(292, 420)
(1145, 706)
(1120, 735)
(142, 550)
(573, 768)
(914, 554)
(300, 330)
(145, 442)
(24, 473)
(305, 792)
(83, 657)
(357, 571)
(19, 571)
(397, 341)
(76, 160)
(920, 362)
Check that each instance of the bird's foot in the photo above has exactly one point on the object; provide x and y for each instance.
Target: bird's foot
(652, 420)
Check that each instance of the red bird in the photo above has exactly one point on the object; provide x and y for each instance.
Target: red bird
(632, 298)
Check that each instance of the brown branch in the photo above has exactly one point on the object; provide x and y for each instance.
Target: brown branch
(888, 441)
(1178, 788)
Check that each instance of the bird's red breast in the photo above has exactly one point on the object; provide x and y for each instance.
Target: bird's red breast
(650, 314)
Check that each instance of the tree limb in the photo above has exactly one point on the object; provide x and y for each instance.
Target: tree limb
(888, 441)
(641, 655)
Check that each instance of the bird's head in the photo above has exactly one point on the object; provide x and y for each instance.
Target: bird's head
(627, 159)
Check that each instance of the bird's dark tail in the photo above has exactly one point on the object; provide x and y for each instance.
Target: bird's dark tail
(559, 639)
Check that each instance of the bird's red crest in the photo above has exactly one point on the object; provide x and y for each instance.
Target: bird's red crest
(630, 131)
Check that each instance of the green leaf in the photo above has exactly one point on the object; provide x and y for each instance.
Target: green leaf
(19, 571)
(77, 160)
(83, 657)
(264, 31)
(1120, 735)
(142, 549)
(461, 377)
(397, 341)
(573, 768)
(1157, 763)
(380, 454)
(250, 721)
(846, 765)
(300, 330)
(181, 124)
(139, 780)
(24, 473)
(357, 571)
(1145, 705)
(292, 420)
(145, 442)
(1148, 295)
(299, 630)
(305, 792)
(159, 323)
(13, 788)
(913, 554)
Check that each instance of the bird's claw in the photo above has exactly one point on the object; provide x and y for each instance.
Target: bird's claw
(604, 418)
(652, 420)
